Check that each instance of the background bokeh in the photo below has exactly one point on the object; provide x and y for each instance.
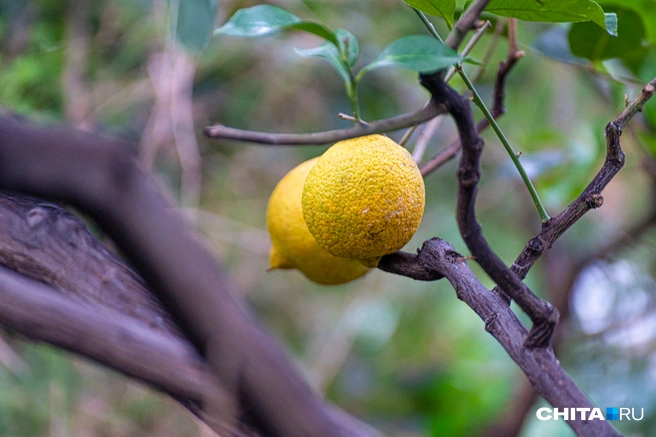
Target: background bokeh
(407, 357)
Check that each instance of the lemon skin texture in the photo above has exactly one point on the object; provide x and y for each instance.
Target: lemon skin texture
(364, 198)
(293, 247)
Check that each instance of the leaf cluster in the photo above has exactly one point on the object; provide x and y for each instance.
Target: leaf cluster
(420, 53)
(594, 35)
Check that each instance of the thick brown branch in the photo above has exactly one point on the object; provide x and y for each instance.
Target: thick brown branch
(164, 361)
(406, 264)
(36, 239)
(543, 315)
(109, 337)
(101, 178)
(98, 307)
(539, 364)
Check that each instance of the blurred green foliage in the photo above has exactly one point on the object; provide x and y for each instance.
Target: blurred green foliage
(407, 357)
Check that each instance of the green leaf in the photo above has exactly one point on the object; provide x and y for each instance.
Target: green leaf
(266, 19)
(588, 41)
(550, 11)
(348, 46)
(553, 44)
(329, 52)
(192, 22)
(441, 8)
(647, 10)
(316, 28)
(416, 52)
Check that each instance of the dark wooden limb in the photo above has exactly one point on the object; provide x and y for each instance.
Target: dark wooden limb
(102, 334)
(406, 264)
(45, 242)
(561, 272)
(591, 197)
(101, 178)
(163, 360)
(541, 312)
(497, 110)
(116, 322)
(539, 364)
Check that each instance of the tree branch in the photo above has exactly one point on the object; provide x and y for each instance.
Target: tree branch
(219, 131)
(406, 264)
(591, 197)
(36, 239)
(563, 276)
(498, 109)
(100, 177)
(539, 364)
(431, 110)
(102, 334)
(163, 360)
(465, 23)
(542, 313)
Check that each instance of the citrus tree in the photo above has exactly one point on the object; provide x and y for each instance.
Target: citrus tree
(406, 106)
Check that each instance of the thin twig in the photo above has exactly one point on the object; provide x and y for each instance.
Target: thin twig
(465, 24)
(591, 197)
(636, 105)
(428, 24)
(406, 136)
(490, 50)
(220, 131)
(468, 48)
(347, 117)
(445, 155)
(182, 127)
(424, 138)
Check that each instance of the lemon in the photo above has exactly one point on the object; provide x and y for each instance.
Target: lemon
(364, 198)
(293, 245)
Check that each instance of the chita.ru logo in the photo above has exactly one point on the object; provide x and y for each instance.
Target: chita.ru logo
(613, 413)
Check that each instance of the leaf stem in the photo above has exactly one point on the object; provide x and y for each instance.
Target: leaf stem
(352, 85)
(352, 92)
(544, 216)
(428, 24)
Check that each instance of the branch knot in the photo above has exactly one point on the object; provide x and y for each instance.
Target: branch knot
(595, 201)
(536, 245)
(490, 322)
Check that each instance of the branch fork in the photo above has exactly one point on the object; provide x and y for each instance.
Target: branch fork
(541, 312)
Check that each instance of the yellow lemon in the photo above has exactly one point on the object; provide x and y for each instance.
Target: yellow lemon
(364, 198)
(293, 245)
